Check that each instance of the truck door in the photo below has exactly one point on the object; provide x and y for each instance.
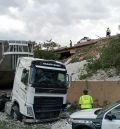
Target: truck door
(111, 119)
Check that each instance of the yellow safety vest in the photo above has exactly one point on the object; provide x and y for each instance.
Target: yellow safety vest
(86, 102)
(108, 30)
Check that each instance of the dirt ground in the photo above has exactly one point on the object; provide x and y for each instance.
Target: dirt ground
(7, 123)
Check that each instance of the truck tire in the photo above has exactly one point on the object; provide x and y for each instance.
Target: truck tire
(15, 113)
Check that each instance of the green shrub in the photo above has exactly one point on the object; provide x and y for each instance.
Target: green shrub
(93, 66)
(109, 58)
(75, 59)
(46, 55)
(84, 76)
(110, 55)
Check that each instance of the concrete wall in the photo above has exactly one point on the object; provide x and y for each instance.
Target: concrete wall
(103, 92)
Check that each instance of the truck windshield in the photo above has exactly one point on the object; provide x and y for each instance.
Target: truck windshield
(48, 77)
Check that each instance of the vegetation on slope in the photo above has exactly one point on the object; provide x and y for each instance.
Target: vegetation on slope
(85, 53)
(109, 58)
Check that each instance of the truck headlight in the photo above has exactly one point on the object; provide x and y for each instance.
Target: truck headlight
(29, 111)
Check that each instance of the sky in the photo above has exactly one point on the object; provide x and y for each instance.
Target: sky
(59, 20)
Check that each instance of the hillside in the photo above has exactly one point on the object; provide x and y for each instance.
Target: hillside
(99, 61)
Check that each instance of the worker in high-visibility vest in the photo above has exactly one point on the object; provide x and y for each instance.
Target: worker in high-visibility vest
(86, 101)
(108, 32)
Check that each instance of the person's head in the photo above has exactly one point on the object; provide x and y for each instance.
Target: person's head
(85, 92)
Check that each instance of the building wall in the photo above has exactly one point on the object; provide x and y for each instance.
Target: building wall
(103, 92)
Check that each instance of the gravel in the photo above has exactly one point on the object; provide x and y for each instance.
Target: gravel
(3, 117)
(61, 124)
(8, 123)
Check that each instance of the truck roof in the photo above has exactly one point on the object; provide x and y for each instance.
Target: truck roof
(26, 61)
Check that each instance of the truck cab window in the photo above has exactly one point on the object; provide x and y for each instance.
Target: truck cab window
(24, 78)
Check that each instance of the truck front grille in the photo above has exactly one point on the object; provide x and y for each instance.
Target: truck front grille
(47, 107)
(51, 90)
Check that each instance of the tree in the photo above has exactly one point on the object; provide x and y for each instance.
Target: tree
(50, 45)
(43, 54)
(46, 54)
(38, 46)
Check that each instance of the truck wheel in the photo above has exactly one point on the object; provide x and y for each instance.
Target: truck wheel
(15, 113)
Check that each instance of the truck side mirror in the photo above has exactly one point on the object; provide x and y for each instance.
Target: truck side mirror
(69, 79)
(110, 116)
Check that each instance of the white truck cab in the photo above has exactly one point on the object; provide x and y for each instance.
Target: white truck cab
(39, 90)
(106, 118)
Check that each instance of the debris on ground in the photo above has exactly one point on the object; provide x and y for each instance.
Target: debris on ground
(7, 123)
(3, 100)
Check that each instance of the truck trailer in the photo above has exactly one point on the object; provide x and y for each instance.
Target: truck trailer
(10, 51)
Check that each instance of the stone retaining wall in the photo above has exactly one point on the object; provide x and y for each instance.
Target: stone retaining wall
(103, 92)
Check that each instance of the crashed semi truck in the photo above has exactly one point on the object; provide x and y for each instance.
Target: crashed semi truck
(39, 90)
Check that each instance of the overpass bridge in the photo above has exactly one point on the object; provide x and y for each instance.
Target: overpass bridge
(68, 51)
(65, 52)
